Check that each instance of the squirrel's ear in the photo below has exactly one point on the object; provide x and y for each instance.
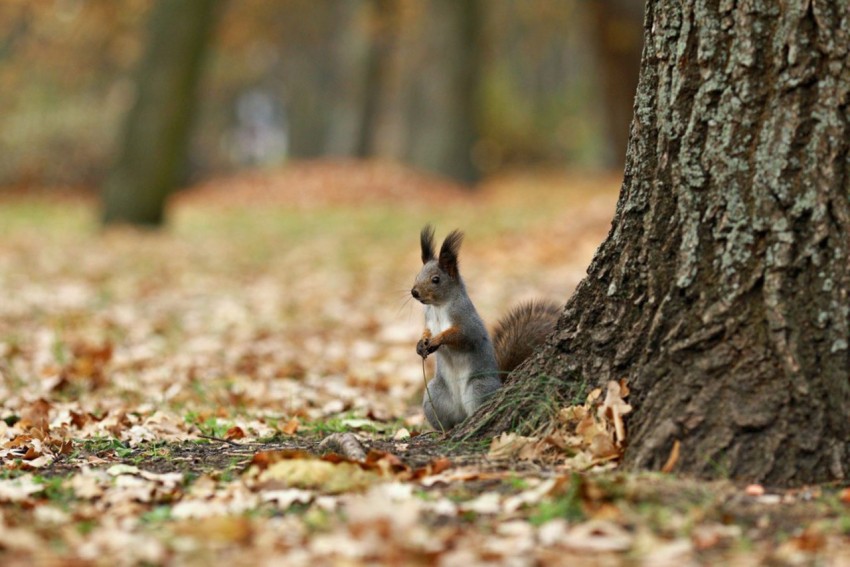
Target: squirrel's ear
(426, 240)
(448, 253)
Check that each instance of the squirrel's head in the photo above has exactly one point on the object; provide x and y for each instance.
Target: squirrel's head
(439, 279)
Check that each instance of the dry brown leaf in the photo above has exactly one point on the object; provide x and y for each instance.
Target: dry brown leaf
(263, 459)
(291, 426)
(331, 478)
(535, 451)
(462, 475)
(706, 536)
(531, 496)
(614, 408)
(435, 467)
(221, 529)
(572, 414)
(508, 445)
(588, 428)
(598, 536)
(602, 447)
(385, 462)
(673, 458)
(18, 489)
(401, 434)
(287, 497)
(235, 432)
(487, 503)
(810, 540)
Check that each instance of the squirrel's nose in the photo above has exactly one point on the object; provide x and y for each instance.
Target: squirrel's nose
(415, 293)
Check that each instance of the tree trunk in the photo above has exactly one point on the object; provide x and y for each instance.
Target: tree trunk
(429, 118)
(352, 51)
(720, 293)
(443, 127)
(616, 35)
(154, 145)
(385, 21)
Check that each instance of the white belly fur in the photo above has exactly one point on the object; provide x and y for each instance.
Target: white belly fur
(455, 367)
(436, 319)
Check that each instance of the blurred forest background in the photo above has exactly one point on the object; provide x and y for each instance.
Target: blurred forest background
(461, 89)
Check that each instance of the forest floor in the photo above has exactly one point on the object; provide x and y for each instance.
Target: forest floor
(167, 397)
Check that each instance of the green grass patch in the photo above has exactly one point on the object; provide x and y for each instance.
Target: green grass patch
(567, 505)
(56, 490)
(212, 426)
(157, 515)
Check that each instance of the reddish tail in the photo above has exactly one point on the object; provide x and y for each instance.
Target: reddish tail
(521, 330)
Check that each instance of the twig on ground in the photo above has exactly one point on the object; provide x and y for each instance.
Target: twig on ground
(219, 439)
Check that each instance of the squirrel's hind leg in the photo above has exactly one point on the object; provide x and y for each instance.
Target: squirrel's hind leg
(437, 404)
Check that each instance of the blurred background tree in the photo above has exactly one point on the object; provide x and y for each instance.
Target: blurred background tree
(616, 34)
(459, 88)
(153, 145)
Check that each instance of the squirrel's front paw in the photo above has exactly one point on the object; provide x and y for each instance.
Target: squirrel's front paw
(423, 346)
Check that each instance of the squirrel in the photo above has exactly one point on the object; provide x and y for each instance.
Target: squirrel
(469, 365)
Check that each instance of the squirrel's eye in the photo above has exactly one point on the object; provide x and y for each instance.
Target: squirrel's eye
(435, 279)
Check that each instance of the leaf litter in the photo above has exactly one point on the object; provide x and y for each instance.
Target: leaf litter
(243, 388)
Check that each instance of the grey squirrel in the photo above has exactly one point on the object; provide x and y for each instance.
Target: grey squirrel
(469, 365)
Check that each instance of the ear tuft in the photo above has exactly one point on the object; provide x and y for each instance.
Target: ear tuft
(426, 241)
(448, 253)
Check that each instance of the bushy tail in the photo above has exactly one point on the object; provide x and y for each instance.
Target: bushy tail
(521, 330)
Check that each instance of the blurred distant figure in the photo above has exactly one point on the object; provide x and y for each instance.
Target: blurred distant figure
(261, 135)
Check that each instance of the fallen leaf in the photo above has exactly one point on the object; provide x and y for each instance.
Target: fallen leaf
(291, 426)
(119, 469)
(810, 540)
(385, 462)
(263, 459)
(318, 475)
(234, 432)
(287, 497)
(602, 447)
(706, 536)
(531, 496)
(614, 408)
(597, 536)
(401, 434)
(487, 503)
(219, 529)
(673, 458)
(358, 423)
(18, 489)
(508, 445)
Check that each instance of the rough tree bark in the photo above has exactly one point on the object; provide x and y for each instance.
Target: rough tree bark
(720, 293)
(154, 144)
